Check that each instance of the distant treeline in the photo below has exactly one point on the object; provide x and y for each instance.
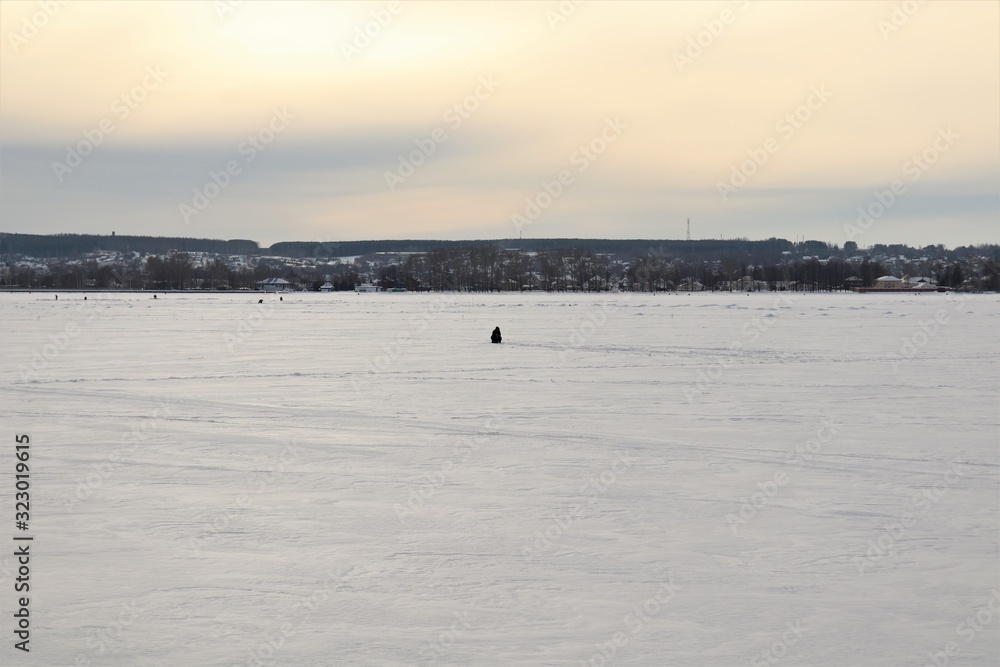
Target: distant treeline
(767, 252)
(71, 246)
(485, 268)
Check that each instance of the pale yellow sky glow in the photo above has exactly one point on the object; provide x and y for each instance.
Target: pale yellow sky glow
(835, 100)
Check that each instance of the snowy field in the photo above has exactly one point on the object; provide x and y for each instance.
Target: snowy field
(343, 479)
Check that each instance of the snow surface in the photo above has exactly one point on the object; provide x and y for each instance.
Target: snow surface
(344, 479)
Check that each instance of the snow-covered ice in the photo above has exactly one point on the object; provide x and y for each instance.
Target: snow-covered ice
(343, 479)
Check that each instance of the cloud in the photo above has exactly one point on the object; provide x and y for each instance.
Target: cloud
(557, 83)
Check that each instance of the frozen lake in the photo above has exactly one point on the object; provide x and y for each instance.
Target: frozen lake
(342, 479)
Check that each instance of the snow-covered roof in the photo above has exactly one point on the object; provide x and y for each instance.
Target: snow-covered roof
(887, 279)
(273, 281)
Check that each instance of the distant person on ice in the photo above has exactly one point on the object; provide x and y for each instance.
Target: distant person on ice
(496, 335)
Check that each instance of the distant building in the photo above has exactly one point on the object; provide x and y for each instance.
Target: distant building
(274, 285)
(326, 287)
(534, 283)
(889, 282)
(853, 282)
(367, 287)
(748, 284)
(904, 284)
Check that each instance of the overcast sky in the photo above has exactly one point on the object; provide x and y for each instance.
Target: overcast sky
(286, 121)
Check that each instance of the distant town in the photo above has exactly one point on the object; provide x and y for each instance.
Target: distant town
(94, 262)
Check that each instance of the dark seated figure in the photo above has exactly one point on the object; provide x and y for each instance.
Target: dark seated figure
(496, 335)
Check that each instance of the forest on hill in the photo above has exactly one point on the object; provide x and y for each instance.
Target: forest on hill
(768, 251)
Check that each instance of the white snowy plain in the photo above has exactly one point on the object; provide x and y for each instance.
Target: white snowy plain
(343, 479)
